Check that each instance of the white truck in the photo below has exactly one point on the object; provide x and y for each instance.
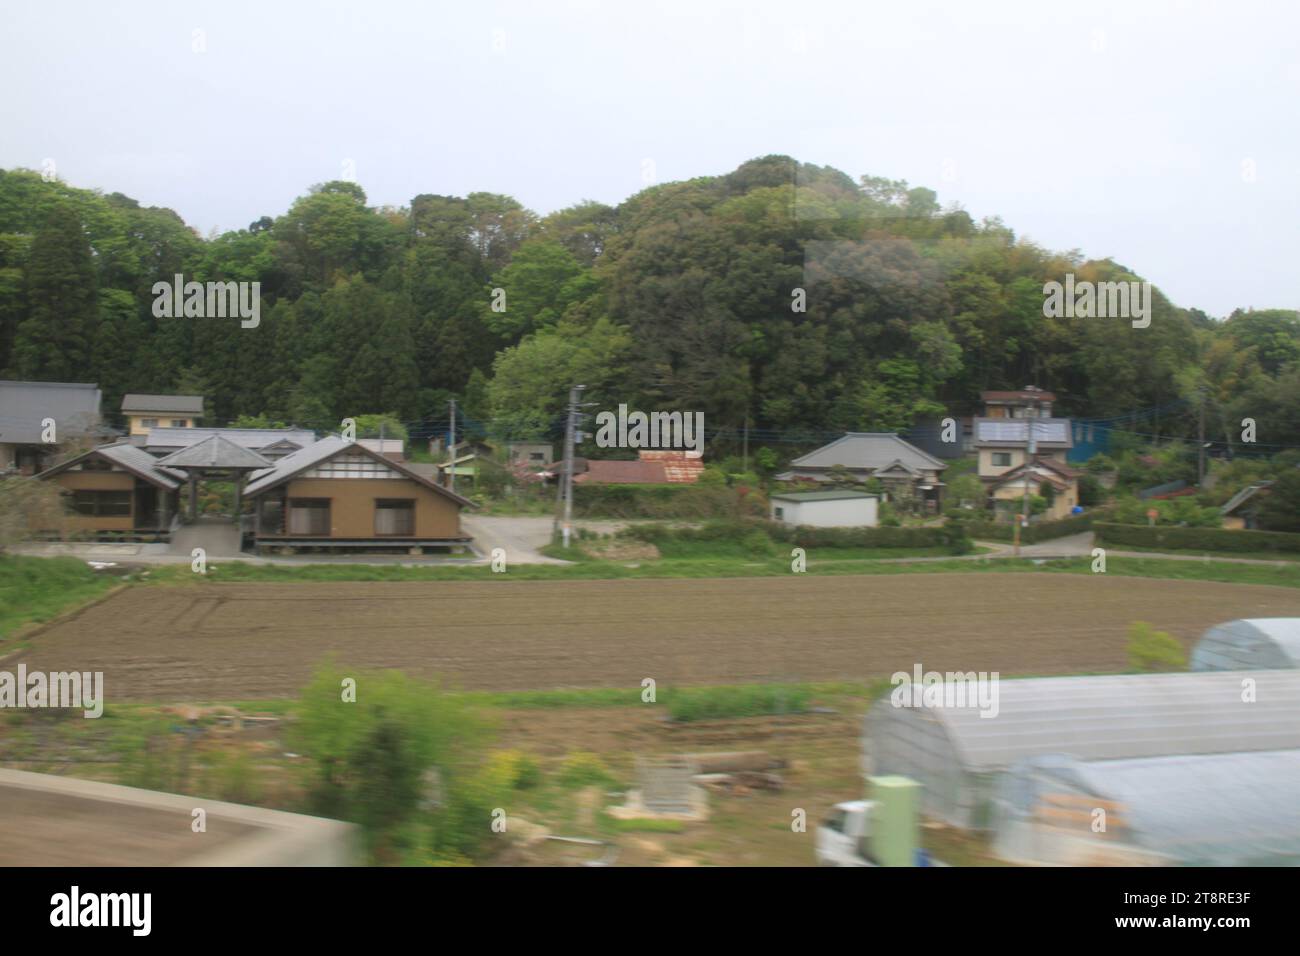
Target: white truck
(844, 837)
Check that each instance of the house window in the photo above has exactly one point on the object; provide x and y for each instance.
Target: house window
(102, 504)
(536, 456)
(780, 513)
(395, 516)
(149, 422)
(1002, 458)
(179, 423)
(309, 516)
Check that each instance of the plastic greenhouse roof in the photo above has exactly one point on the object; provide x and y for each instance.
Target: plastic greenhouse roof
(1232, 809)
(1249, 643)
(1119, 716)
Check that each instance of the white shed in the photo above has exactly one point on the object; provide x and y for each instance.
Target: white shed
(826, 509)
(1260, 643)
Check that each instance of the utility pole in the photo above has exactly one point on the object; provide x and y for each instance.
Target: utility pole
(745, 444)
(1200, 442)
(1030, 449)
(566, 529)
(451, 466)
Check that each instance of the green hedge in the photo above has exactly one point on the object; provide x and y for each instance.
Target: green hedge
(656, 501)
(1042, 531)
(1167, 537)
(949, 536)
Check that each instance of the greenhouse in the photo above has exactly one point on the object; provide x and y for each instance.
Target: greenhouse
(1252, 644)
(957, 754)
(1236, 809)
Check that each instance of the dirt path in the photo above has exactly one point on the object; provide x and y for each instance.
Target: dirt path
(248, 641)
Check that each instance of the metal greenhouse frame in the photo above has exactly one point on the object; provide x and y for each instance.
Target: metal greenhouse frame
(1249, 644)
(957, 754)
(1235, 809)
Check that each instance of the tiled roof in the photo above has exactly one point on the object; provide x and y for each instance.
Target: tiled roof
(869, 450)
(74, 406)
(130, 458)
(328, 447)
(254, 438)
(190, 404)
(215, 452)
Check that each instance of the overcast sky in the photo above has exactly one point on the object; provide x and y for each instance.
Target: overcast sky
(1162, 135)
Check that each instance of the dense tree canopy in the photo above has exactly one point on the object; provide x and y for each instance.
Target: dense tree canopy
(782, 295)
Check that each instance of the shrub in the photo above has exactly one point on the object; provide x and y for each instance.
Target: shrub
(1152, 651)
(582, 769)
(738, 700)
(370, 760)
(1171, 538)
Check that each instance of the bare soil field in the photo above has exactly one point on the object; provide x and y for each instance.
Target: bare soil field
(251, 641)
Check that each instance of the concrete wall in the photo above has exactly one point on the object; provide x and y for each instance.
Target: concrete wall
(252, 836)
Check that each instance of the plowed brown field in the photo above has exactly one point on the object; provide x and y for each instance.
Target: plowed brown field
(252, 641)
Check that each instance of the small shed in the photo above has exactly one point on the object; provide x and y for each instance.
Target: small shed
(1229, 809)
(1260, 643)
(825, 509)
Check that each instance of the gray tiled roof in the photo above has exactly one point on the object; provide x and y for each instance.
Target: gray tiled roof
(215, 452)
(160, 438)
(327, 447)
(873, 450)
(73, 406)
(127, 456)
(191, 404)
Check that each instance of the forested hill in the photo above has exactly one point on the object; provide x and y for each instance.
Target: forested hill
(682, 297)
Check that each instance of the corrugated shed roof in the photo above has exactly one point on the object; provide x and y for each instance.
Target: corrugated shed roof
(190, 404)
(637, 472)
(1115, 717)
(74, 406)
(1030, 394)
(819, 495)
(859, 450)
(1249, 644)
(1241, 497)
(680, 466)
(214, 452)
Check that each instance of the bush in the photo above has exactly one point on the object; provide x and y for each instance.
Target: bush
(739, 700)
(661, 501)
(1042, 531)
(1152, 651)
(582, 769)
(371, 760)
(1171, 538)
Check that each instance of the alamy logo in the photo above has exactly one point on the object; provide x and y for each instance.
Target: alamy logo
(103, 909)
(214, 300)
(655, 430)
(933, 689)
(60, 689)
(1100, 300)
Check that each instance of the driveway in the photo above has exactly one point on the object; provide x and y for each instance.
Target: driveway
(522, 536)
